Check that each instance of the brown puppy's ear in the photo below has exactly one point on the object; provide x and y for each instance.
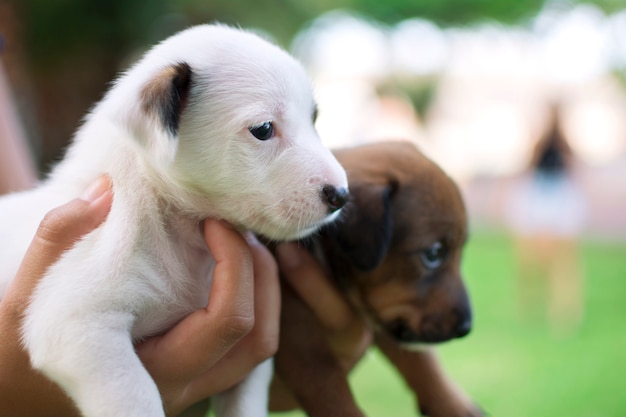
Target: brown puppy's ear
(363, 233)
(166, 95)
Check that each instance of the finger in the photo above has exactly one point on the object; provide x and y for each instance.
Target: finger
(309, 280)
(261, 342)
(57, 232)
(226, 373)
(207, 334)
(267, 305)
(232, 291)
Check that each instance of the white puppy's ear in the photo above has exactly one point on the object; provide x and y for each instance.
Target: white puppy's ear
(165, 96)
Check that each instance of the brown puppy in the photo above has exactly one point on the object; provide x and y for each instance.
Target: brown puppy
(395, 254)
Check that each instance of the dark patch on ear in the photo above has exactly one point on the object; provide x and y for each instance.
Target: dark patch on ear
(166, 95)
(363, 233)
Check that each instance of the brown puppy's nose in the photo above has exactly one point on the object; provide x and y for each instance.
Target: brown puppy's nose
(335, 198)
(464, 325)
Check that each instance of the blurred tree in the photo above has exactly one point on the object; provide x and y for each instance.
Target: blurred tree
(69, 50)
(56, 29)
(447, 12)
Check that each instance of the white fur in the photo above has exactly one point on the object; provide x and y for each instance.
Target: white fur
(147, 266)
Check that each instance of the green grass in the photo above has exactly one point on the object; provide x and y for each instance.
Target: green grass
(514, 367)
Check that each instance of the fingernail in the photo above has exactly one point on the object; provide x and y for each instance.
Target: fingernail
(96, 189)
(289, 255)
(251, 238)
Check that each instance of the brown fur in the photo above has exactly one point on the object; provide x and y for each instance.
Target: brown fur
(402, 203)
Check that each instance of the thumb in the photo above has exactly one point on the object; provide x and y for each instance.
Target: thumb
(57, 232)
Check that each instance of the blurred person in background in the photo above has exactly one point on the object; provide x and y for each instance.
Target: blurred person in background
(546, 213)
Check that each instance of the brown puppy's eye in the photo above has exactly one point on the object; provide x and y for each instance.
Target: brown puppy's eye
(264, 131)
(434, 256)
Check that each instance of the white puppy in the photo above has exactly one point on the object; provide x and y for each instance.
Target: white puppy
(213, 122)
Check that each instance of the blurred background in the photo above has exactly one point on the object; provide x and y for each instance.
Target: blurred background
(523, 103)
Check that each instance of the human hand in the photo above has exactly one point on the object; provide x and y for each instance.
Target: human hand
(214, 348)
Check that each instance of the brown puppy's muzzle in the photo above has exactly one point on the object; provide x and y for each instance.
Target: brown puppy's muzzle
(457, 323)
(433, 323)
(432, 330)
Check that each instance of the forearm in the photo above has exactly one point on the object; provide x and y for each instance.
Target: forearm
(23, 391)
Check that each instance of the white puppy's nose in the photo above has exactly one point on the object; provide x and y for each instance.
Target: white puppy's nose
(335, 198)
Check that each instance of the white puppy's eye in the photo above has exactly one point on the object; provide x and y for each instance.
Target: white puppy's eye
(264, 131)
